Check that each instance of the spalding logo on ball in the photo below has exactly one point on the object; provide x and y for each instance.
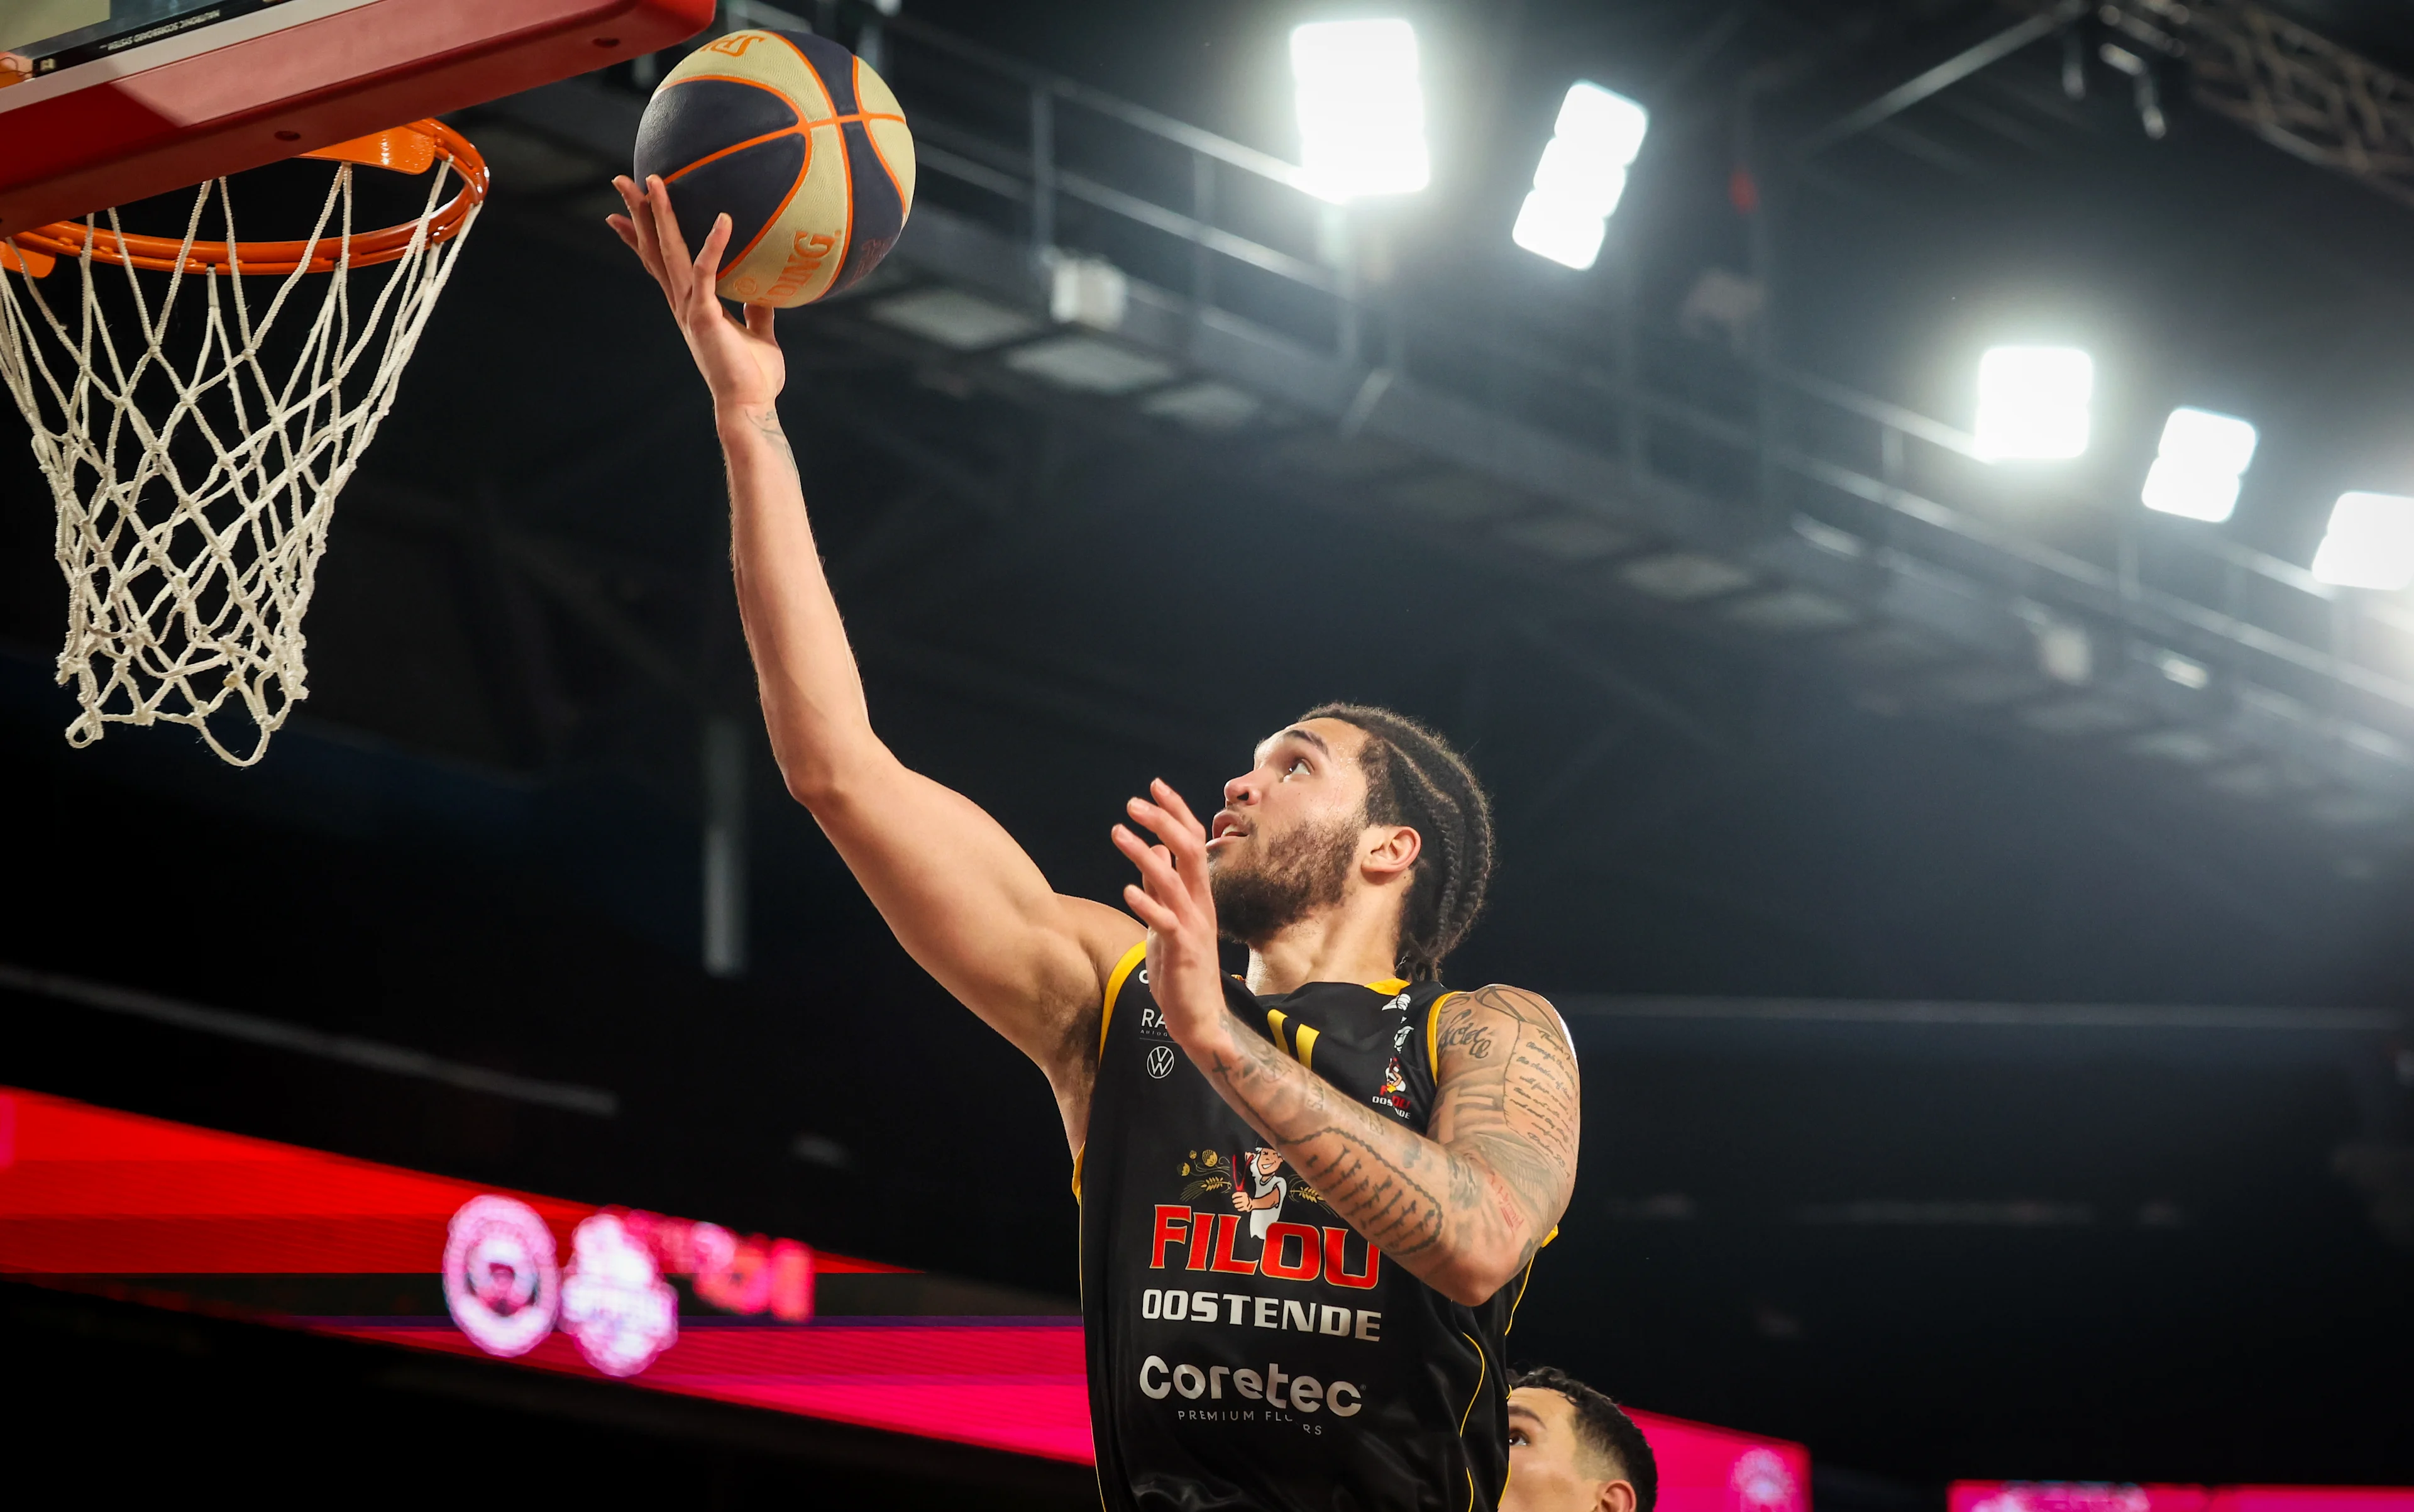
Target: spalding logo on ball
(800, 144)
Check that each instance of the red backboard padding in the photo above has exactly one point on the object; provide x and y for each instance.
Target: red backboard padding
(108, 132)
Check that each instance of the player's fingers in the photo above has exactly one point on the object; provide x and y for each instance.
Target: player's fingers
(670, 242)
(1172, 803)
(1155, 867)
(1155, 915)
(759, 317)
(641, 225)
(716, 241)
(1185, 840)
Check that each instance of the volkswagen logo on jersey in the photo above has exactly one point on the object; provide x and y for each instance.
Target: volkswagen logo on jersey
(1160, 1062)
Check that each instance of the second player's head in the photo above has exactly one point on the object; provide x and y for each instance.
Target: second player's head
(1572, 1449)
(1354, 807)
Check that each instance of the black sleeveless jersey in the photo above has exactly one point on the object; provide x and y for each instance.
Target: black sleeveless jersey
(1248, 1348)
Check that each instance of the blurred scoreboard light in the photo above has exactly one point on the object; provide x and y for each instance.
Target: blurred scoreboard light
(2095, 1496)
(1706, 1469)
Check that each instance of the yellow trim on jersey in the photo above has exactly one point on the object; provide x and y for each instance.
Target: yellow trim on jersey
(1275, 1019)
(1482, 1365)
(1433, 1038)
(1305, 1039)
(1389, 986)
(1077, 1176)
(1480, 1368)
(1132, 958)
(1521, 1292)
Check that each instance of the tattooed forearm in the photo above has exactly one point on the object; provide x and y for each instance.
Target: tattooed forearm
(1466, 1207)
(766, 424)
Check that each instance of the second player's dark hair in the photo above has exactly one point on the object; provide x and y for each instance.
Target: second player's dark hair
(1414, 778)
(1604, 1427)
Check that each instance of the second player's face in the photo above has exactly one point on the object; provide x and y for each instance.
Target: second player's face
(1305, 778)
(1547, 1461)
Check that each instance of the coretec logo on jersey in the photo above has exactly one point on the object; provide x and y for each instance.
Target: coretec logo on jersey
(1285, 1253)
(1277, 1388)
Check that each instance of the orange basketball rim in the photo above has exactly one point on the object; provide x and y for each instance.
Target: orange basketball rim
(412, 149)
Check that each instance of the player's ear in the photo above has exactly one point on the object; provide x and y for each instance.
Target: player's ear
(1390, 849)
(1615, 1496)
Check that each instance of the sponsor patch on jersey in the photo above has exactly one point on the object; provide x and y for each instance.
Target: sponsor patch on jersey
(1160, 1061)
(1393, 1096)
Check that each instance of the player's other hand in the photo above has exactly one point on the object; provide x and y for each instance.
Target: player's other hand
(740, 359)
(1173, 898)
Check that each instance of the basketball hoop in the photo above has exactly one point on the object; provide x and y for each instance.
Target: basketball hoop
(195, 486)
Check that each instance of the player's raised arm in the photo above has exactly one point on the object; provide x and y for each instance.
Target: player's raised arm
(961, 896)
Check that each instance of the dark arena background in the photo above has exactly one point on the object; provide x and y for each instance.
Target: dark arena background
(1981, 902)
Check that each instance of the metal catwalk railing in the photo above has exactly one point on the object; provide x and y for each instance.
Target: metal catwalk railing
(1231, 230)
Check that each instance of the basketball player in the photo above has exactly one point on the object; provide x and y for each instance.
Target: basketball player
(1572, 1449)
(1411, 1148)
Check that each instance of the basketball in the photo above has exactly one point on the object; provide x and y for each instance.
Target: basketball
(799, 144)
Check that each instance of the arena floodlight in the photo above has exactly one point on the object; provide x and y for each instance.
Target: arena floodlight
(1362, 109)
(2032, 403)
(2198, 466)
(2370, 542)
(1582, 175)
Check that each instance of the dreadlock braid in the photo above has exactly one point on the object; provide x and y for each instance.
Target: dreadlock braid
(1414, 778)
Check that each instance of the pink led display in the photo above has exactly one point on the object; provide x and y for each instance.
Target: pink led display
(1704, 1469)
(156, 1211)
(2097, 1496)
(150, 1211)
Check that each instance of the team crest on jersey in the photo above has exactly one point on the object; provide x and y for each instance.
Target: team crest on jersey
(1393, 1096)
(1258, 1182)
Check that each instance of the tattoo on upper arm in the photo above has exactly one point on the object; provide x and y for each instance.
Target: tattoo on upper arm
(1510, 1112)
(1515, 1101)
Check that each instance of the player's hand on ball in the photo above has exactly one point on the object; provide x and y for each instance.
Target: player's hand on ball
(741, 361)
(1174, 900)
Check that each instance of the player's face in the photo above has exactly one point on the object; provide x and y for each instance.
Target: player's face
(1305, 778)
(1546, 1460)
(1287, 841)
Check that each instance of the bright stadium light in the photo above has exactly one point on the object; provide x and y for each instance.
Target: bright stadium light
(1361, 112)
(2032, 403)
(2198, 467)
(2370, 544)
(1582, 175)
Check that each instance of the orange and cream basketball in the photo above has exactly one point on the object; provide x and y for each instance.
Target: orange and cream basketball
(799, 144)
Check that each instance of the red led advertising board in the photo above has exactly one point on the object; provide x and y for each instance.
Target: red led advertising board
(149, 1211)
(156, 1211)
(2093, 1496)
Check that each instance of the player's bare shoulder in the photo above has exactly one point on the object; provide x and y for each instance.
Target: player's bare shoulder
(1107, 938)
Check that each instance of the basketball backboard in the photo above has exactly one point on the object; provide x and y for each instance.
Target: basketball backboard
(108, 101)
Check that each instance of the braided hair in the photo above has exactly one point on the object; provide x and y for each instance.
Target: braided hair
(1414, 778)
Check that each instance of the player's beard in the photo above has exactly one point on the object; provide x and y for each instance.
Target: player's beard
(1306, 870)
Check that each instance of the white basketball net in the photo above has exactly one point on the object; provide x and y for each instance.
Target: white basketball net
(194, 491)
